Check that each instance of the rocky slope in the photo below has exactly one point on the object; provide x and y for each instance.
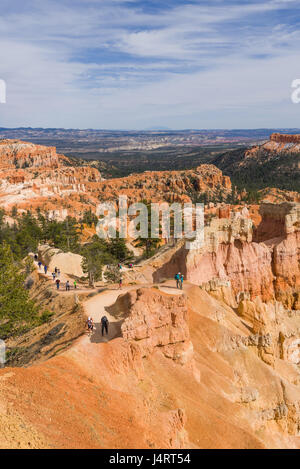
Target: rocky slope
(275, 163)
(262, 261)
(186, 372)
(34, 176)
(214, 366)
(169, 186)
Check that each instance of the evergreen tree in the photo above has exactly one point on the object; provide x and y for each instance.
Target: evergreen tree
(17, 311)
(148, 243)
(95, 255)
(118, 249)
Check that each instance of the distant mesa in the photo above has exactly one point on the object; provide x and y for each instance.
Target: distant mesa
(275, 163)
(285, 138)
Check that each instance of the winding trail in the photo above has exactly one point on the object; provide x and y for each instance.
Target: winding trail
(98, 304)
(96, 307)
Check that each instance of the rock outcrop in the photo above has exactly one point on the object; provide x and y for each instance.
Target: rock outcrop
(15, 154)
(168, 186)
(68, 262)
(275, 163)
(262, 261)
(33, 176)
(141, 395)
(158, 321)
(285, 138)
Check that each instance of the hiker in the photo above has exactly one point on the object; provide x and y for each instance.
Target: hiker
(177, 277)
(53, 276)
(90, 324)
(55, 270)
(45, 269)
(40, 265)
(181, 282)
(57, 283)
(75, 284)
(35, 257)
(67, 285)
(120, 266)
(104, 325)
(58, 272)
(120, 283)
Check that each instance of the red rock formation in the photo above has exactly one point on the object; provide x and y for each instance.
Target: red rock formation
(157, 320)
(246, 265)
(91, 396)
(285, 138)
(224, 212)
(266, 267)
(17, 154)
(168, 186)
(34, 177)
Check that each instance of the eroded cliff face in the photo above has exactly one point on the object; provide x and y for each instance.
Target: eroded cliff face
(285, 138)
(263, 262)
(34, 176)
(278, 143)
(238, 387)
(216, 367)
(15, 154)
(157, 320)
(167, 186)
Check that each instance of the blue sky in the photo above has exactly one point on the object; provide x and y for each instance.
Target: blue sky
(136, 64)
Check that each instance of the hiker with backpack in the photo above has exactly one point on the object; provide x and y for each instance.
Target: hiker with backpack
(57, 283)
(90, 324)
(177, 278)
(104, 325)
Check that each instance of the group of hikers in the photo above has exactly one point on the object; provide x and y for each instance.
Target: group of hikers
(91, 325)
(56, 276)
(104, 321)
(67, 284)
(179, 280)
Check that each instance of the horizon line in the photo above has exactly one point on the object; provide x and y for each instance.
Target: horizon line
(152, 130)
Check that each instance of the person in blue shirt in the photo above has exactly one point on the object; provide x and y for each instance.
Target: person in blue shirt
(177, 278)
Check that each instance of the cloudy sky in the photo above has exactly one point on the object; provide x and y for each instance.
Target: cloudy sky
(138, 64)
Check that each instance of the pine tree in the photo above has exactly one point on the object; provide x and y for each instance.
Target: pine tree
(95, 255)
(17, 311)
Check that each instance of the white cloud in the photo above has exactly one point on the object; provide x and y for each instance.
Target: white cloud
(118, 66)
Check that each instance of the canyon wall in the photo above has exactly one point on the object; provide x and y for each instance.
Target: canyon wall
(251, 259)
(285, 138)
(33, 176)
